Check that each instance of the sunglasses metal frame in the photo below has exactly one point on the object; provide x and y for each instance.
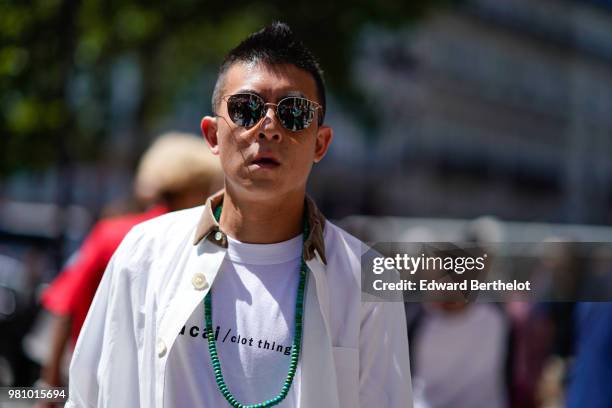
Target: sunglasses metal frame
(316, 106)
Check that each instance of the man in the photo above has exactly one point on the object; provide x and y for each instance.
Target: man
(253, 300)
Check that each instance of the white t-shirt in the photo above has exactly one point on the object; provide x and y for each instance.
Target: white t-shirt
(459, 358)
(253, 318)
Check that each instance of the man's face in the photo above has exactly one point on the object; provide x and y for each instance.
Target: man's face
(266, 160)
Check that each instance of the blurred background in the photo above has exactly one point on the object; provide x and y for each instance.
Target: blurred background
(444, 112)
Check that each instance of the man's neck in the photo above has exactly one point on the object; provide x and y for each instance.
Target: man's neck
(262, 221)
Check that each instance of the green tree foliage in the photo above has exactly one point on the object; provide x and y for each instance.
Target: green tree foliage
(50, 48)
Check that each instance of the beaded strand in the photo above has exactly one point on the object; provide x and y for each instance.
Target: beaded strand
(297, 336)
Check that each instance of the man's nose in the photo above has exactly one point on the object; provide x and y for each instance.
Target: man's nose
(270, 128)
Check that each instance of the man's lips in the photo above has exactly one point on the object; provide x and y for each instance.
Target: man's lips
(265, 161)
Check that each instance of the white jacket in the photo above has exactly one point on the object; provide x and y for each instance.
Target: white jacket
(354, 354)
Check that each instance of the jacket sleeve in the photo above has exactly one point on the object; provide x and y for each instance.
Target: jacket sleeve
(384, 367)
(104, 366)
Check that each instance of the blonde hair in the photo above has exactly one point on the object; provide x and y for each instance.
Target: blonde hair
(176, 162)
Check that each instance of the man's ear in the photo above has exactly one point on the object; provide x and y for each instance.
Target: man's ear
(209, 131)
(325, 134)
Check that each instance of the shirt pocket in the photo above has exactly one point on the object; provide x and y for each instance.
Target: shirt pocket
(346, 361)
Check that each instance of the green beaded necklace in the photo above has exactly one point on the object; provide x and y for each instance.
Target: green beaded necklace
(297, 336)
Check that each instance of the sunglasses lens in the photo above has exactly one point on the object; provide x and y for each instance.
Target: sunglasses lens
(295, 113)
(244, 109)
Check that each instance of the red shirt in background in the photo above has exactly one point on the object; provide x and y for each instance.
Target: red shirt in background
(72, 292)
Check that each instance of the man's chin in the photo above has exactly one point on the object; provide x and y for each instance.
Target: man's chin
(264, 184)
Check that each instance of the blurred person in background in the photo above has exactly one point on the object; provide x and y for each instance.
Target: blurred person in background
(590, 373)
(550, 333)
(459, 355)
(176, 172)
(585, 360)
(460, 350)
(533, 333)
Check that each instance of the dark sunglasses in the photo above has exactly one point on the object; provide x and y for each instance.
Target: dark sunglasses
(293, 113)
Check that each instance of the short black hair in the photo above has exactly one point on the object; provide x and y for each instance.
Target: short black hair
(272, 45)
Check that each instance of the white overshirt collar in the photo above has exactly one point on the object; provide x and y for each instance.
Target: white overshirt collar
(208, 228)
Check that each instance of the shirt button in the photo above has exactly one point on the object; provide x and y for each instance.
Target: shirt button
(161, 348)
(199, 281)
(218, 236)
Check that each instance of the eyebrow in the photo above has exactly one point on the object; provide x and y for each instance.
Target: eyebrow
(247, 90)
(289, 93)
(295, 93)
